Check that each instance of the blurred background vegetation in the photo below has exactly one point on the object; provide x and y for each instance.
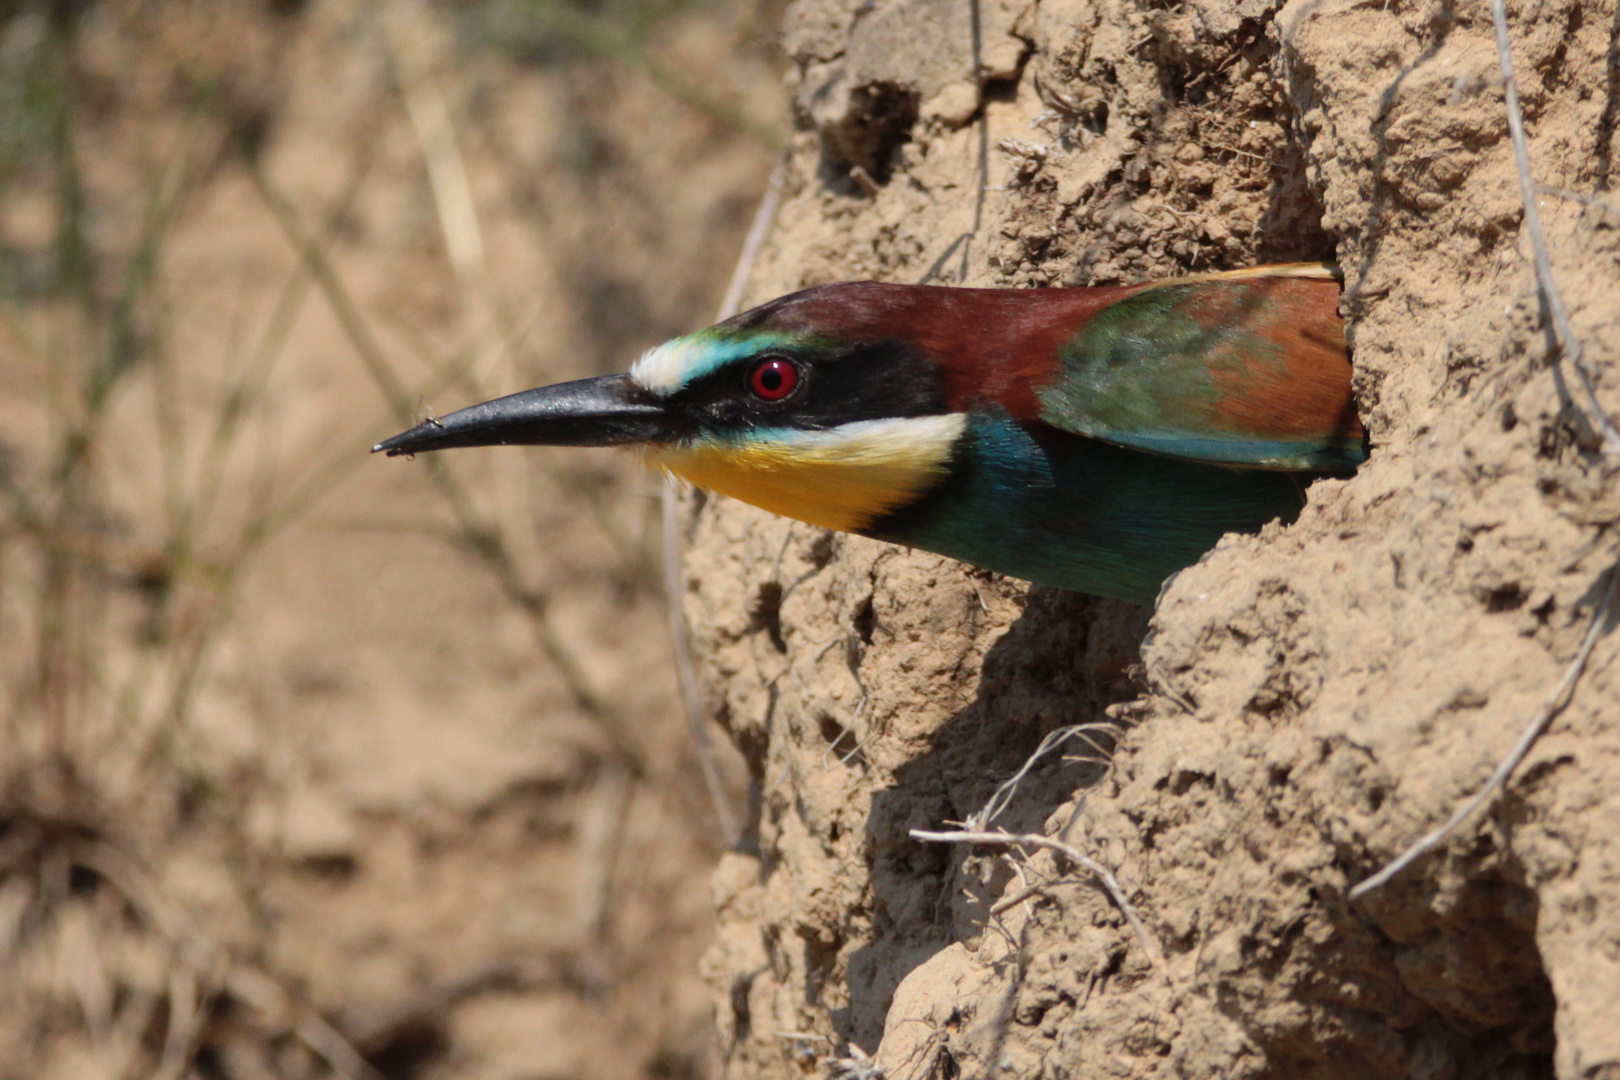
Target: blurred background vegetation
(313, 764)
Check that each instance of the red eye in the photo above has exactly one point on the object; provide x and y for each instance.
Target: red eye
(774, 379)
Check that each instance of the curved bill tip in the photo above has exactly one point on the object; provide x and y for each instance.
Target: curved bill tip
(409, 442)
(604, 411)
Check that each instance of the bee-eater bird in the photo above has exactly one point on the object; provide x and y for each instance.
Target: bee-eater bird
(1096, 439)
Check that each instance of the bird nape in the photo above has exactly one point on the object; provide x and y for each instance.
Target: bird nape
(1095, 439)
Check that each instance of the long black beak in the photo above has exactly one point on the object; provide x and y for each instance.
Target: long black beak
(606, 411)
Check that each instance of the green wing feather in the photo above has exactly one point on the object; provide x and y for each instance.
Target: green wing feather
(1245, 369)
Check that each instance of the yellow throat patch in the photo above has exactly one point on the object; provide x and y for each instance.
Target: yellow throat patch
(845, 478)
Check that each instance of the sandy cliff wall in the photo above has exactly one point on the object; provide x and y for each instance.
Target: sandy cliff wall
(1303, 702)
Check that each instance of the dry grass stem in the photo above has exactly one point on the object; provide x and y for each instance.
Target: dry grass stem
(269, 998)
(1600, 622)
(1571, 347)
(199, 961)
(1003, 795)
(858, 1065)
(669, 504)
(758, 231)
(1110, 884)
(1548, 285)
(477, 537)
(601, 37)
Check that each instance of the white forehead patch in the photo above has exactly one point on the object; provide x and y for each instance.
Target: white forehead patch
(678, 363)
(666, 368)
(662, 368)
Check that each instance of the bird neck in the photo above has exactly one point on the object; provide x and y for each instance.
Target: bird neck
(1059, 509)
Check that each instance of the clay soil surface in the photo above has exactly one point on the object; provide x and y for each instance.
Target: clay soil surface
(1302, 703)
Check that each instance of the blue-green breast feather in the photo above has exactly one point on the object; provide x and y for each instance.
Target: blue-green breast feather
(1059, 509)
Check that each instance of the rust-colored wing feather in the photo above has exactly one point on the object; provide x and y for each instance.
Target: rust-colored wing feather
(1247, 368)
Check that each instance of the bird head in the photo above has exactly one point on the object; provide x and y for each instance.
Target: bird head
(835, 405)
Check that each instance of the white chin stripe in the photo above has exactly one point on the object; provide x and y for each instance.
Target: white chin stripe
(912, 439)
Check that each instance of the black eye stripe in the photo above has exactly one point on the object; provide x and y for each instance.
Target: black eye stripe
(876, 381)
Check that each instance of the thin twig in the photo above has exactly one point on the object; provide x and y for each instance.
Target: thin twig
(1574, 196)
(428, 106)
(211, 965)
(764, 217)
(1244, 153)
(1110, 884)
(447, 177)
(187, 1011)
(857, 1066)
(270, 998)
(685, 668)
(1571, 347)
(1003, 796)
(669, 498)
(604, 38)
(1565, 332)
(1001, 907)
(478, 538)
(1555, 704)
